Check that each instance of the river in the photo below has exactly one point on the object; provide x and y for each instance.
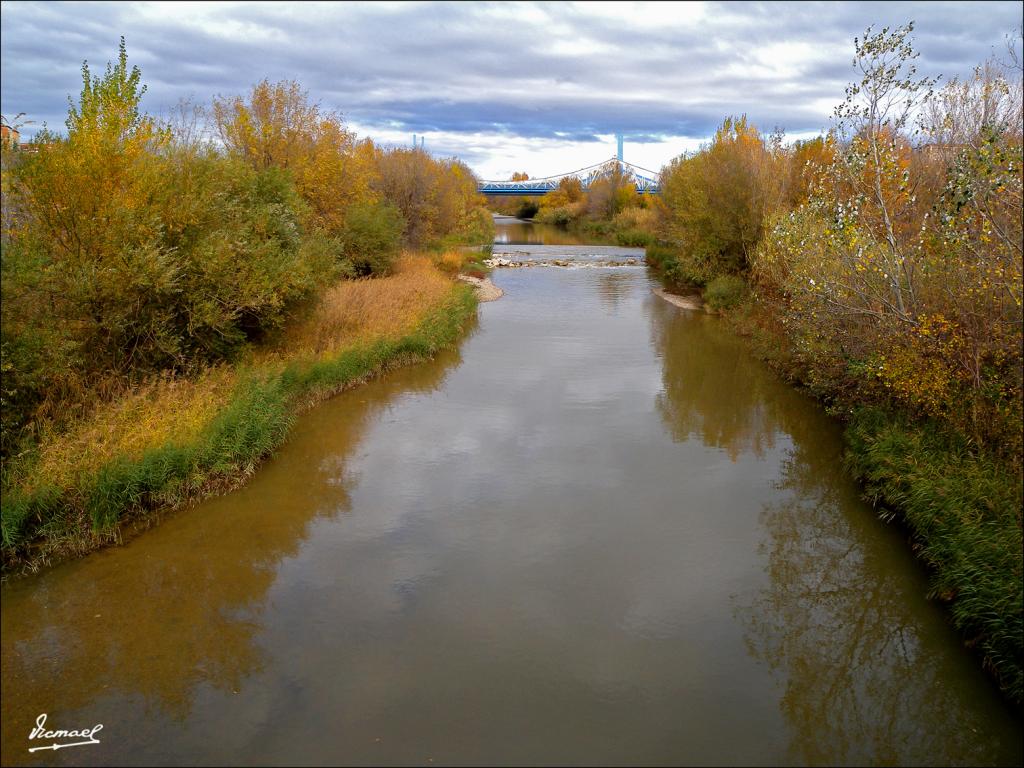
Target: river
(598, 532)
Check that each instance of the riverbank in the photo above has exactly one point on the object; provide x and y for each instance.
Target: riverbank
(960, 504)
(173, 441)
(691, 302)
(485, 289)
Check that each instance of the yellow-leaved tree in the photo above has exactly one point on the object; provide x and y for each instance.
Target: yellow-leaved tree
(277, 126)
(717, 201)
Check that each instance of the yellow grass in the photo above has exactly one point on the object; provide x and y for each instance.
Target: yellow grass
(166, 411)
(359, 311)
(158, 412)
(643, 219)
(451, 261)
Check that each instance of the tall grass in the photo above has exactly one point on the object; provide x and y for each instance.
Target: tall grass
(130, 458)
(964, 509)
(358, 311)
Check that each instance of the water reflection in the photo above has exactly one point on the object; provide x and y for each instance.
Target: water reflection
(713, 388)
(866, 673)
(176, 612)
(869, 672)
(512, 231)
(613, 287)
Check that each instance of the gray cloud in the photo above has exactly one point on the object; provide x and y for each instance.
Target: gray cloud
(549, 71)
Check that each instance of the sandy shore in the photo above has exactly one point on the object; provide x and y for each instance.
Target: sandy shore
(683, 302)
(485, 289)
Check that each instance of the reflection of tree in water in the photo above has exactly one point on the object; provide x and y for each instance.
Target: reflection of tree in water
(871, 675)
(613, 285)
(713, 388)
(180, 606)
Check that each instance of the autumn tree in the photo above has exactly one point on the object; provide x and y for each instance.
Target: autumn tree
(874, 189)
(902, 270)
(717, 201)
(130, 257)
(570, 190)
(806, 163)
(438, 199)
(90, 220)
(277, 126)
(564, 204)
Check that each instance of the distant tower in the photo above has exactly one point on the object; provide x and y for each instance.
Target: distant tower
(618, 139)
(414, 141)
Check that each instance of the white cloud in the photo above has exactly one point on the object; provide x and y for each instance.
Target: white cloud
(506, 86)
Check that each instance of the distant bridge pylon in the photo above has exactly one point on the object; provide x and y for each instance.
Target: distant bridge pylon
(646, 181)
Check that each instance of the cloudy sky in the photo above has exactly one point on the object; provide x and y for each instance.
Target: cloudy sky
(504, 86)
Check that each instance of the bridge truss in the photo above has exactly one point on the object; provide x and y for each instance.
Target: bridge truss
(646, 181)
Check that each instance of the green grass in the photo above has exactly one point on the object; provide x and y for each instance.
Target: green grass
(964, 510)
(634, 238)
(50, 522)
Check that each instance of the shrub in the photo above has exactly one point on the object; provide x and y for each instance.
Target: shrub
(633, 238)
(562, 216)
(636, 218)
(247, 264)
(477, 227)
(372, 237)
(681, 269)
(725, 292)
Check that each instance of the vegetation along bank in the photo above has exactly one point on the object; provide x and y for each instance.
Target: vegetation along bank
(170, 302)
(880, 266)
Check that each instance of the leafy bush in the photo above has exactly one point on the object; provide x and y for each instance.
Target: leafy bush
(248, 262)
(561, 216)
(372, 237)
(660, 255)
(636, 218)
(477, 227)
(633, 238)
(679, 269)
(725, 292)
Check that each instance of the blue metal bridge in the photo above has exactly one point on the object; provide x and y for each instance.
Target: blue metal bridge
(646, 181)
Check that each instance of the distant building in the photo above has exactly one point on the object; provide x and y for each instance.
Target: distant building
(9, 137)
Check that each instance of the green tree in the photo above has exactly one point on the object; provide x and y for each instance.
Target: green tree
(372, 237)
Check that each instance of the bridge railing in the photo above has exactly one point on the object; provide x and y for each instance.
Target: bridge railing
(587, 176)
